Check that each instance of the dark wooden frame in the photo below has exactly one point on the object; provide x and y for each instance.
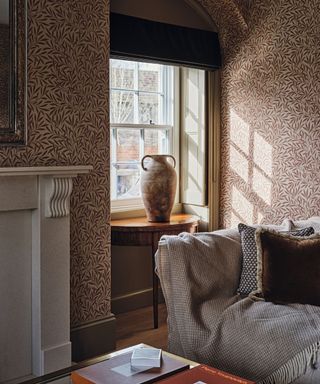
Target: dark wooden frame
(16, 133)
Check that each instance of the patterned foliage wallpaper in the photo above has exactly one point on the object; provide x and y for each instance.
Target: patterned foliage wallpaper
(68, 48)
(270, 109)
(270, 120)
(4, 75)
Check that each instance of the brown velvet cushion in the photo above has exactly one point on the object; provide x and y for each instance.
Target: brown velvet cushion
(288, 267)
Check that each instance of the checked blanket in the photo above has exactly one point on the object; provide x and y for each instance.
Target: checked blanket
(210, 323)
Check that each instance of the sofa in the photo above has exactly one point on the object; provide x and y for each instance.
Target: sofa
(210, 322)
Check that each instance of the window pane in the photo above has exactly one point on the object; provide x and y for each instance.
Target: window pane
(155, 142)
(128, 144)
(121, 107)
(149, 77)
(122, 74)
(128, 180)
(149, 105)
(127, 163)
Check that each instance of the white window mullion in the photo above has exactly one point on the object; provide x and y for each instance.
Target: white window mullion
(169, 141)
(142, 146)
(113, 164)
(136, 94)
(166, 100)
(162, 88)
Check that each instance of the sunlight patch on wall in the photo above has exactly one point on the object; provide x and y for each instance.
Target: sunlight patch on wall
(241, 205)
(260, 217)
(239, 164)
(250, 158)
(262, 186)
(262, 154)
(235, 220)
(239, 132)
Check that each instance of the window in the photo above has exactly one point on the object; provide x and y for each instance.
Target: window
(156, 109)
(142, 122)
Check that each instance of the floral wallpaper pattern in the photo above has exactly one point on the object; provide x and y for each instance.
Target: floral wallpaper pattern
(270, 120)
(270, 110)
(68, 53)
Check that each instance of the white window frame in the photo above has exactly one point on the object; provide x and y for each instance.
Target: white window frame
(132, 204)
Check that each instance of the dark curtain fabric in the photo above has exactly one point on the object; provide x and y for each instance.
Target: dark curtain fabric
(139, 39)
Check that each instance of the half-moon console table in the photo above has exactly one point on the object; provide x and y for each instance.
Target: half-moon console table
(139, 231)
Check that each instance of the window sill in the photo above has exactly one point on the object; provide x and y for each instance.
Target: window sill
(136, 211)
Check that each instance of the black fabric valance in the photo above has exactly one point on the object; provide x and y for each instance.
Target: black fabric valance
(141, 39)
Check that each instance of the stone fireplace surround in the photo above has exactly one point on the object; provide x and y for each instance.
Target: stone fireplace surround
(35, 269)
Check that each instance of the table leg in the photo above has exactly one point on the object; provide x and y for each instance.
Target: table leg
(155, 281)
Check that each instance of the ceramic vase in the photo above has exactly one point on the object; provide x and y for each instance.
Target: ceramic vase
(158, 186)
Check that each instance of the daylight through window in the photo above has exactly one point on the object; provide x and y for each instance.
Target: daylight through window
(141, 118)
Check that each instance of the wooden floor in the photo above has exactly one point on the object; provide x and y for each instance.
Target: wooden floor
(137, 327)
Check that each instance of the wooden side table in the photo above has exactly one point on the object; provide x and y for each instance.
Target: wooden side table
(139, 231)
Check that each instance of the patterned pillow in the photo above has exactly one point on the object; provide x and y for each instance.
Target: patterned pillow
(248, 278)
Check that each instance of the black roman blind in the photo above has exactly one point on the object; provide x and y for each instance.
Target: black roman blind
(140, 39)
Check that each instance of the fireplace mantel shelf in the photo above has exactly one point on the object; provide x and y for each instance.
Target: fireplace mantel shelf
(71, 170)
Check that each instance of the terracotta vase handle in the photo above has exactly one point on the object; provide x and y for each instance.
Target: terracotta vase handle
(174, 160)
(142, 160)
